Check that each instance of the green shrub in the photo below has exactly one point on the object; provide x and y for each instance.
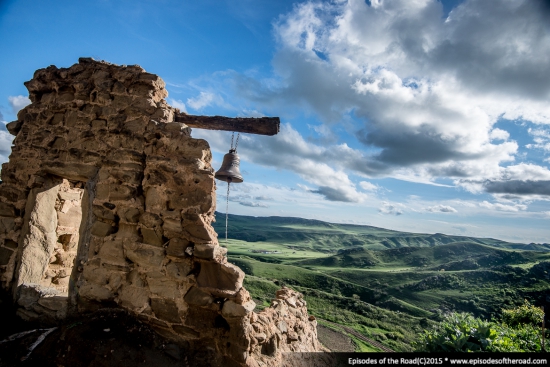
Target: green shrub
(527, 314)
(461, 332)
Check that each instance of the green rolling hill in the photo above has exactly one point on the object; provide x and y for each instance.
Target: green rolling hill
(386, 285)
(330, 237)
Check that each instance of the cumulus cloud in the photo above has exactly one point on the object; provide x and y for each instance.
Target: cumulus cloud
(5, 140)
(243, 196)
(428, 89)
(420, 92)
(390, 62)
(334, 194)
(391, 209)
(499, 134)
(290, 151)
(517, 187)
(514, 181)
(18, 102)
(541, 139)
(5, 144)
(177, 104)
(503, 207)
(237, 198)
(253, 204)
(2, 123)
(525, 171)
(204, 99)
(441, 208)
(367, 186)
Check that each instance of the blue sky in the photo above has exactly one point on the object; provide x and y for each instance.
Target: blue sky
(423, 116)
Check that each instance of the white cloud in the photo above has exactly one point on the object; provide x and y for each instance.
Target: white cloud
(427, 91)
(441, 209)
(422, 84)
(529, 188)
(253, 204)
(526, 171)
(204, 99)
(6, 140)
(367, 186)
(288, 150)
(176, 85)
(304, 187)
(541, 139)
(503, 207)
(499, 134)
(18, 102)
(522, 179)
(391, 209)
(283, 197)
(539, 133)
(237, 198)
(177, 104)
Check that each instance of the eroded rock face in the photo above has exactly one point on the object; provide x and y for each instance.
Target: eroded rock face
(106, 202)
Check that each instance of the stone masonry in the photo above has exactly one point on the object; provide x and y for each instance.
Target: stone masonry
(107, 202)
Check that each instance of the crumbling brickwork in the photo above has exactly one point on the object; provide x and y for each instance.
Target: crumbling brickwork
(107, 202)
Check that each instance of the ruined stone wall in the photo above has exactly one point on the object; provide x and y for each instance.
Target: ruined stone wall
(106, 202)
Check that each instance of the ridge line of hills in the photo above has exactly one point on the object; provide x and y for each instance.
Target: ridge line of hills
(308, 231)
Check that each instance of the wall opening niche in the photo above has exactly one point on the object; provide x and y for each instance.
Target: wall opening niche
(50, 247)
(68, 208)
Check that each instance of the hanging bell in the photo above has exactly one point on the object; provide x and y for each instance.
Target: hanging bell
(229, 171)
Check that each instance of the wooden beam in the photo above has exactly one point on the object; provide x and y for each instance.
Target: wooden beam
(250, 125)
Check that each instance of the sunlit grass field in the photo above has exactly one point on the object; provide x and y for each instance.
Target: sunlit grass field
(385, 284)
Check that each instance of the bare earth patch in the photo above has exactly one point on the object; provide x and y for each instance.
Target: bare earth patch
(333, 340)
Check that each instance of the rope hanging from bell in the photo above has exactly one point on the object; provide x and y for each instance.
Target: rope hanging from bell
(229, 172)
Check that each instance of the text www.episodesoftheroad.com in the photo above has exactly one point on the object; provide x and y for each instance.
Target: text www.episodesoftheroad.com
(425, 361)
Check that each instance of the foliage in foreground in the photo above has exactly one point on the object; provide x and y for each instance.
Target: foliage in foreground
(525, 314)
(519, 331)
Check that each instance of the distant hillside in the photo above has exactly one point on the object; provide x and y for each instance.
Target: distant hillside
(385, 285)
(461, 255)
(331, 237)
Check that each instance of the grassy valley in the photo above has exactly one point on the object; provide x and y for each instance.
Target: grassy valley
(385, 285)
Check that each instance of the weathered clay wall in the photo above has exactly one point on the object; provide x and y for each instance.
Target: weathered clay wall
(106, 202)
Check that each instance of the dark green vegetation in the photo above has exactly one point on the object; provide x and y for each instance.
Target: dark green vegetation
(387, 285)
(517, 331)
